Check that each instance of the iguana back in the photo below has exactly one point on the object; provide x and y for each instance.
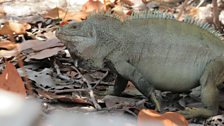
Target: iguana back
(172, 55)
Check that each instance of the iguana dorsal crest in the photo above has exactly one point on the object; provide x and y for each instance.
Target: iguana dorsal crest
(165, 16)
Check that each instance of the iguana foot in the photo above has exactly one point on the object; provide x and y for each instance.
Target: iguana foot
(197, 112)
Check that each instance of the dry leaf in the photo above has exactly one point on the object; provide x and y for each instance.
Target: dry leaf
(92, 6)
(48, 44)
(108, 5)
(128, 2)
(46, 53)
(19, 28)
(217, 120)
(79, 16)
(64, 15)
(148, 117)
(55, 13)
(41, 78)
(11, 81)
(131, 90)
(29, 44)
(8, 53)
(7, 45)
(121, 102)
(137, 5)
(119, 11)
(2, 12)
(203, 13)
(11, 27)
(38, 45)
(6, 30)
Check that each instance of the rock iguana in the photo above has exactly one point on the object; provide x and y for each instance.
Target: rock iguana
(154, 51)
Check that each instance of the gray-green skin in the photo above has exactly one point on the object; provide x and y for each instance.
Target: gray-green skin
(153, 53)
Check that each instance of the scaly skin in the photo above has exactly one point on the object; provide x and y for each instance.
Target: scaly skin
(153, 52)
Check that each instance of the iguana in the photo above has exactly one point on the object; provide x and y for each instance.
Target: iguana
(154, 51)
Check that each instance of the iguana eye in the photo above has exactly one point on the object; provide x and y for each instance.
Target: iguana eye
(74, 27)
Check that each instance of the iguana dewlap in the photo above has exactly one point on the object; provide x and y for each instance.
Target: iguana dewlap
(154, 51)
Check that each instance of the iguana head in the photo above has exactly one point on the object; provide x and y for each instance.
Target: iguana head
(80, 39)
(91, 40)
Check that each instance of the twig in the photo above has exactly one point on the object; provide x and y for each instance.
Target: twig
(96, 105)
(98, 82)
(182, 9)
(69, 90)
(59, 72)
(104, 83)
(140, 102)
(201, 2)
(130, 112)
(216, 15)
(191, 1)
(76, 70)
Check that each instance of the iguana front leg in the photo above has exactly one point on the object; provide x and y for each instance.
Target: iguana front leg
(212, 77)
(129, 72)
(120, 85)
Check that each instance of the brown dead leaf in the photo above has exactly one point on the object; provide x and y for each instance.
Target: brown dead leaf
(108, 5)
(6, 30)
(193, 12)
(79, 16)
(63, 98)
(46, 53)
(64, 15)
(204, 13)
(119, 11)
(48, 44)
(11, 27)
(2, 12)
(55, 13)
(7, 45)
(11, 81)
(131, 90)
(19, 28)
(91, 6)
(38, 45)
(73, 99)
(128, 2)
(8, 53)
(148, 117)
(29, 44)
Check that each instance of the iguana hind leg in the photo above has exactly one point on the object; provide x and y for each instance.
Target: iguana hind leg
(212, 77)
